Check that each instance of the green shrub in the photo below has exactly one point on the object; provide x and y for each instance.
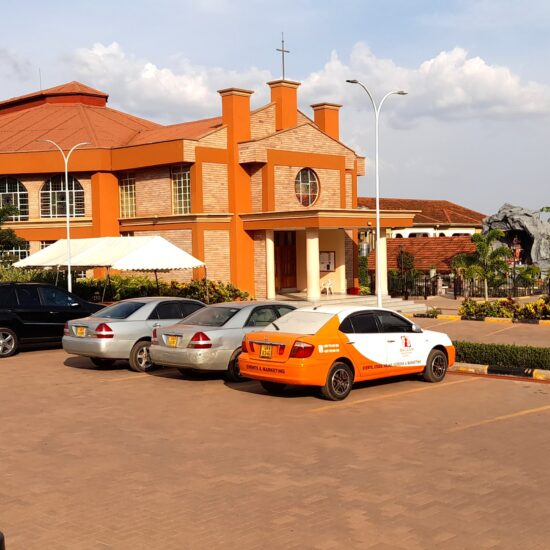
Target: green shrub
(502, 355)
(433, 312)
(507, 308)
(363, 271)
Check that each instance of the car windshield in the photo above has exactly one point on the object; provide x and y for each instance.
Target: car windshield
(300, 322)
(210, 316)
(122, 310)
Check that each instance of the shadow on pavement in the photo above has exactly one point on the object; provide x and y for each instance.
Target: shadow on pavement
(77, 362)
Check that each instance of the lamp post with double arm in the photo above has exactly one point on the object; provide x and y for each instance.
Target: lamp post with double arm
(377, 189)
(66, 158)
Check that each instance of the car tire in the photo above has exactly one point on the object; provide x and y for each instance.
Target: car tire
(339, 382)
(9, 343)
(273, 388)
(436, 366)
(140, 359)
(233, 373)
(102, 363)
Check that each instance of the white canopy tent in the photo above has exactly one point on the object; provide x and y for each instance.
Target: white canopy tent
(122, 253)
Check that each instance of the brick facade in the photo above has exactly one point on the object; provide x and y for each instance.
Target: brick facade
(216, 255)
(154, 192)
(214, 187)
(256, 185)
(259, 265)
(262, 122)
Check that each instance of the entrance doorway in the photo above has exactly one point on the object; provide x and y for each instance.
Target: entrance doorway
(285, 260)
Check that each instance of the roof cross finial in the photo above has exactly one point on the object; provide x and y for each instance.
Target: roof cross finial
(283, 51)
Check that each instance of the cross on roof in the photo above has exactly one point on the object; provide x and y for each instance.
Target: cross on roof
(283, 51)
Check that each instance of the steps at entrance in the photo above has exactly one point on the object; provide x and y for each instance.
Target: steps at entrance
(397, 304)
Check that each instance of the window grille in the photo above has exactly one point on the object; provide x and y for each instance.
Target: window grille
(14, 193)
(15, 254)
(181, 190)
(52, 198)
(45, 244)
(306, 187)
(127, 195)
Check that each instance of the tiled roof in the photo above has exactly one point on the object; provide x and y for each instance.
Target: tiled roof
(433, 212)
(72, 118)
(427, 251)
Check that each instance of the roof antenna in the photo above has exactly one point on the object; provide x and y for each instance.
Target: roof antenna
(40, 78)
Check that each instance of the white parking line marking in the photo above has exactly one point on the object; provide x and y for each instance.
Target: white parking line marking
(133, 377)
(388, 395)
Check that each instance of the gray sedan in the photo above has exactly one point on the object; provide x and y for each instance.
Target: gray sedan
(210, 339)
(123, 330)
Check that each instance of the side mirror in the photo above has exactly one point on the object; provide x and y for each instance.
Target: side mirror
(416, 328)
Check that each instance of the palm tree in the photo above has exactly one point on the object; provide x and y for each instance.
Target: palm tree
(465, 267)
(490, 259)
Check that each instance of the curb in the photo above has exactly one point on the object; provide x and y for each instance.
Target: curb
(449, 318)
(471, 368)
(499, 320)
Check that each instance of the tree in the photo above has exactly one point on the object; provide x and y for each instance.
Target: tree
(464, 265)
(488, 262)
(8, 237)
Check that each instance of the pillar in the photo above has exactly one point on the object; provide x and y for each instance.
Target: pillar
(270, 264)
(312, 265)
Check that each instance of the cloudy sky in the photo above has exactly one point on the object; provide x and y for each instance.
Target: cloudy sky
(474, 129)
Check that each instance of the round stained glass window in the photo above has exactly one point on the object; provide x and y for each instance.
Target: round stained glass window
(306, 186)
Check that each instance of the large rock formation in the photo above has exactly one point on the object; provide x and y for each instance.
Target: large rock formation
(533, 232)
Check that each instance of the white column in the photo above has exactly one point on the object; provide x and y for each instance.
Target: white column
(383, 262)
(270, 264)
(312, 265)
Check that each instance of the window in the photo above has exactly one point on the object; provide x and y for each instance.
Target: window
(189, 307)
(301, 322)
(261, 317)
(181, 190)
(122, 310)
(7, 296)
(127, 195)
(283, 310)
(14, 193)
(51, 296)
(211, 316)
(167, 310)
(52, 198)
(28, 296)
(15, 254)
(393, 323)
(45, 244)
(306, 187)
(364, 323)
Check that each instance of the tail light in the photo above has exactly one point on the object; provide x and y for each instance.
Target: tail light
(301, 350)
(200, 341)
(66, 330)
(103, 330)
(244, 349)
(154, 337)
(281, 349)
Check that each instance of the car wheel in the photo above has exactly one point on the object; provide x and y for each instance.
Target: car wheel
(436, 366)
(339, 382)
(140, 358)
(102, 363)
(233, 372)
(273, 388)
(9, 343)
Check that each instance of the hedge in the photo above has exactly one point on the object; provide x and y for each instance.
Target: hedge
(503, 355)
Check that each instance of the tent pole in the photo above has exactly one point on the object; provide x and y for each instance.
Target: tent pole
(157, 280)
(56, 275)
(105, 286)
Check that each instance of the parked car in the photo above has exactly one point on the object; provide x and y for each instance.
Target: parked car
(35, 313)
(123, 330)
(210, 339)
(334, 346)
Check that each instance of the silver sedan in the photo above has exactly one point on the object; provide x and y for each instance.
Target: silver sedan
(210, 339)
(123, 330)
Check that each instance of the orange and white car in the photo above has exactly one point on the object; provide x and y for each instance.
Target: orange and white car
(334, 346)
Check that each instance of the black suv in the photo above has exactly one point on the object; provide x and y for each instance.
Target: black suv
(35, 313)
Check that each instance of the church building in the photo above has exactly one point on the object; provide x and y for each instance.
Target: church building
(267, 198)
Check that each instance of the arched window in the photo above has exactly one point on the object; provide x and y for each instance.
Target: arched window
(306, 187)
(14, 193)
(52, 198)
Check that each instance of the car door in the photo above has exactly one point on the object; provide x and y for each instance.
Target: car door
(405, 348)
(165, 314)
(60, 307)
(367, 345)
(260, 317)
(36, 321)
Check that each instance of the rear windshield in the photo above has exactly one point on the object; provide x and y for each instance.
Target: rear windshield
(122, 310)
(300, 322)
(210, 316)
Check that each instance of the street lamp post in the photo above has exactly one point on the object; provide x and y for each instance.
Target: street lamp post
(377, 195)
(67, 205)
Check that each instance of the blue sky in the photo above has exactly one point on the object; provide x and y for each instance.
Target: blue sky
(474, 128)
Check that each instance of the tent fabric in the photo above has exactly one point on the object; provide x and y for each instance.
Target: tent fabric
(123, 253)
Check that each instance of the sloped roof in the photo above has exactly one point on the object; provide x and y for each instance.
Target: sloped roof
(433, 212)
(73, 113)
(428, 252)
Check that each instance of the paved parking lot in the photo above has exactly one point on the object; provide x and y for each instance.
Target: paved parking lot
(113, 459)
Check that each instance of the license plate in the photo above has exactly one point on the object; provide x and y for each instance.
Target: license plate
(265, 351)
(81, 332)
(172, 341)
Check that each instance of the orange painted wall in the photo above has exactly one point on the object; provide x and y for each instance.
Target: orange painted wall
(105, 205)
